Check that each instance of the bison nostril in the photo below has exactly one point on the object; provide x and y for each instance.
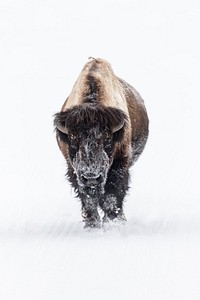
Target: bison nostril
(84, 179)
(99, 178)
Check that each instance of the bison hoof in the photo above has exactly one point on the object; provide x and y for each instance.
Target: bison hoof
(116, 215)
(92, 224)
(113, 220)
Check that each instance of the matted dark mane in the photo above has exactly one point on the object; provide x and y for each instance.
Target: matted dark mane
(87, 115)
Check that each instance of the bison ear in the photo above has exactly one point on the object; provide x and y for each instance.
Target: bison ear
(60, 124)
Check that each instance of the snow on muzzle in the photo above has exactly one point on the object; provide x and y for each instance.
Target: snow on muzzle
(91, 167)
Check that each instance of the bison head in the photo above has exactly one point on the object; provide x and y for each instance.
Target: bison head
(90, 132)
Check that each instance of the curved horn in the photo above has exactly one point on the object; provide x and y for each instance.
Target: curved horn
(118, 127)
(60, 127)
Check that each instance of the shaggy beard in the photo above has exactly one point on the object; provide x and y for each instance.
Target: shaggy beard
(96, 191)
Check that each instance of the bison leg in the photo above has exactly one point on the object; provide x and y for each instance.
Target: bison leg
(112, 208)
(115, 191)
(90, 213)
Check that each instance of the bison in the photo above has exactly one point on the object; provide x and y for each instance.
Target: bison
(101, 131)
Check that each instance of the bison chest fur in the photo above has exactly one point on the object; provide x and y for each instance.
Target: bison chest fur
(101, 131)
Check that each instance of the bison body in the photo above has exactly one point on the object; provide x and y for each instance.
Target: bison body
(101, 130)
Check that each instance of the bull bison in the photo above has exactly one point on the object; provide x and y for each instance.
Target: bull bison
(101, 130)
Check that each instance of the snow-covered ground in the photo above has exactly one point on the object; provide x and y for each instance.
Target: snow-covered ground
(44, 252)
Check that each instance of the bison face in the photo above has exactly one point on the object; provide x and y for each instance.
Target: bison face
(90, 136)
(91, 161)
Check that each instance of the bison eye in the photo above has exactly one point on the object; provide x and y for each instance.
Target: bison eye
(72, 137)
(106, 135)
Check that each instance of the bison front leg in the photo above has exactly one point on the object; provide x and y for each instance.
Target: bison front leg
(113, 209)
(90, 213)
(115, 191)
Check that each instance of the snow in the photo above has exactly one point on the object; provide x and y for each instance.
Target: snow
(44, 251)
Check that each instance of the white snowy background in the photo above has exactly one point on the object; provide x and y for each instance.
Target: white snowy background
(45, 254)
